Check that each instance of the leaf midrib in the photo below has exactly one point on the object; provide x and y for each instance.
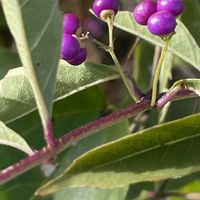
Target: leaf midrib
(136, 153)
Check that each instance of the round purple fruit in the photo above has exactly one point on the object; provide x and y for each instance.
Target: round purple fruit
(143, 11)
(161, 23)
(70, 47)
(80, 58)
(176, 7)
(103, 5)
(70, 23)
(93, 26)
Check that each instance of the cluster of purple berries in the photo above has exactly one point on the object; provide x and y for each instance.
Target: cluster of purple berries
(160, 16)
(70, 49)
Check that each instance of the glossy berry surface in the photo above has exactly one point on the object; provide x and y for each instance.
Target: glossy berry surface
(161, 23)
(70, 47)
(70, 23)
(143, 11)
(101, 5)
(176, 7)
(80, 58)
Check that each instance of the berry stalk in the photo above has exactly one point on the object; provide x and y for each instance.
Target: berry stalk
(157, 73)
(111, 51)
(110, 28)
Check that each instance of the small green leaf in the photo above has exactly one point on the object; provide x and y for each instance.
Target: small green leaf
(16, 102)
(165, 151)
(10, 138)
(182, 43)
(191, 83)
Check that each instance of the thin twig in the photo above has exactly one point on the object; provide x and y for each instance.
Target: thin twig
(169, 95)
(157, 73)
(117, 63)
(157, 51)
(110, 21)
(132, 88)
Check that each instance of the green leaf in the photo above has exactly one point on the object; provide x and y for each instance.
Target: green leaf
(91, 194)
(72, 79)
(8, 60)
(104, 136)
(38, 37)
(192, 84)
(143, 67)
(23, 187)
(16, 102)
(68, 114)
(182, 44)
(165, 151)
(10, 138)
(192, 14)
(190, 189)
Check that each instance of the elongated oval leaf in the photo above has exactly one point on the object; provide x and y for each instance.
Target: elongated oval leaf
(38, 37)
(166, 151)
(15, 102)
(10, 138)
(182, 43)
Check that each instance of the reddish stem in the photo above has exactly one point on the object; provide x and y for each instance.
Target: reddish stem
(75, 135)
(65, 141)
(175, 94)
(48, 134)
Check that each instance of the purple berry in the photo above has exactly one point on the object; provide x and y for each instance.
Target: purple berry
(93, 27)
(82, 54)
(143, 11)
(70, 47)
(176, 7)
(70, 23)
(101, 5)
(161, 23)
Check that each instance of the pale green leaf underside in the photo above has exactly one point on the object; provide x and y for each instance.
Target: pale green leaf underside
(191, 83)
(182, 43)
(92, 194)
(37, 36)
(10, 138)
(166, 151)
(16, 97)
